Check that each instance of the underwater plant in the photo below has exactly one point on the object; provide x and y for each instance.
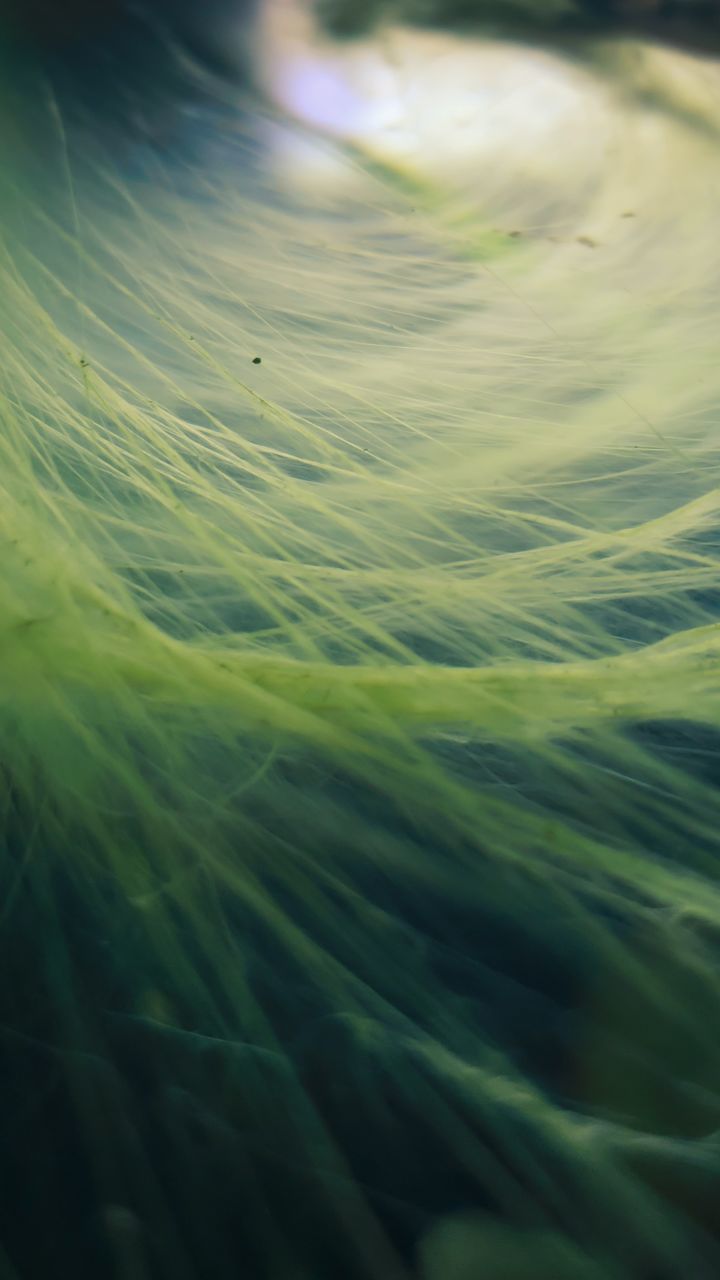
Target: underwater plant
(360, 684)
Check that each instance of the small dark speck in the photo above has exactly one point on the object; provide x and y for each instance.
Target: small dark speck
(628, 214)
(257, 360)
(514, 234)
(83, 364)
(587, 241)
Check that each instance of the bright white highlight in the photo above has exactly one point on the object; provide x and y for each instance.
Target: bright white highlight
(434, 100)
